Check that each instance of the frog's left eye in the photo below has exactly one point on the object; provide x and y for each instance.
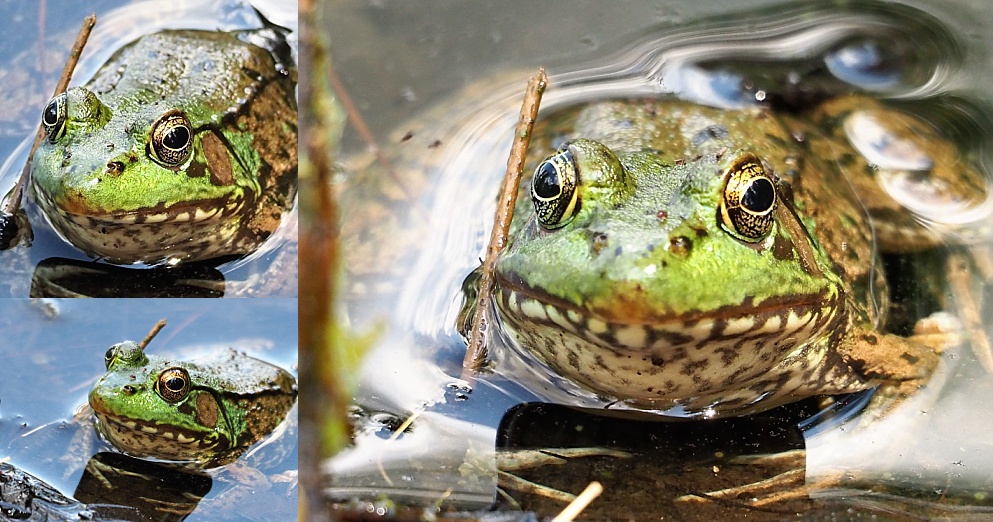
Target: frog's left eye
(53, 118)
(110, 356)
(171, 140)
(553, 190)
(749, 200)
(173, 384)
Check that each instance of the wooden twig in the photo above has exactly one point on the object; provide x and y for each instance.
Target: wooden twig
(476, 352)
(13, 202)
(577, 506)
(152, 333)
(358, 123)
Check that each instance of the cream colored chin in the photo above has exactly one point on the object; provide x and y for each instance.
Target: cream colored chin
(696, 364)
(151, 440)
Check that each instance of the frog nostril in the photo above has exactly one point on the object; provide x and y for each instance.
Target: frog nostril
(115, 167)
(680, 245)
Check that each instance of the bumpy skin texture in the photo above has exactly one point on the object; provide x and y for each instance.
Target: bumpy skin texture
(648, 295)
(108, 186)
(231, 401)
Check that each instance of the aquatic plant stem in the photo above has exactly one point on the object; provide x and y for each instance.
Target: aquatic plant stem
(476, 351)
(13, 202)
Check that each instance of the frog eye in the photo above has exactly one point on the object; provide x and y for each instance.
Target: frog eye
(173, 384)
(749, 200)
(553, 190)
(172, 139)
(53, 118)
(110, 356)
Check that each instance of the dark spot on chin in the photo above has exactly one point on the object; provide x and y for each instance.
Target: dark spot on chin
(782, 248)
(196, 170)
(680, 245)
(598, 241)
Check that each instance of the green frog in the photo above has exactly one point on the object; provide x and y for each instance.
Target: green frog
(183, 147)
(699, 262)
(204, 413)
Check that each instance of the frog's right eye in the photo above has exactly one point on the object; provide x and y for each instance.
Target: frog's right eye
(171, 139)
(173, 384)
(53, 118)
(748, 205)
(554, 190)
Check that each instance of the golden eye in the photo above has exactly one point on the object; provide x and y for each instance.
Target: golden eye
(53, 118)
(171, 140)
(173, 384)
(553, 190)
(749, 200)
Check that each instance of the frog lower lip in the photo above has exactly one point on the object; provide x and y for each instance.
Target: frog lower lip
(201, 212)
(151, 429)
(772, 321)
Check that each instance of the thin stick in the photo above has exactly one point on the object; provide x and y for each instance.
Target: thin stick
(13, 203)
(356, 120)
(577, 506)
(476, 351)
(152, 333)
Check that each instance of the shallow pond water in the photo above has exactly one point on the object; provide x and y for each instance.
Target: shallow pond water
(441, 87)
(33, 55)
(56, 348)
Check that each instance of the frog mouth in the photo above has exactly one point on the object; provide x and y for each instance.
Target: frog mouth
(151, 437)
(200, 212)
(774, 322)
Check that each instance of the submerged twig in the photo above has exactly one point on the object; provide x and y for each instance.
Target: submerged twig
(13, 202)
(356, 120)
(577, 506)
(152, 333)
(476, 351)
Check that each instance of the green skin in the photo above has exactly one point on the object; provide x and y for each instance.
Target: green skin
(232, 402)
(105, 187)
(646, 293)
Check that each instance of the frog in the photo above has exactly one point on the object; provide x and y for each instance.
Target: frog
(182, 148)
(202, 414)
(693, 261)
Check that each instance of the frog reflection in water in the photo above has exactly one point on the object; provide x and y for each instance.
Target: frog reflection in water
(704, 262)
(204, 413)
(181, 148)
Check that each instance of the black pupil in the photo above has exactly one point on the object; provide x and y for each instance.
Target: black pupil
(546, 181)
(175, 384)
(759, 196)
(51, 116)
(176, 137)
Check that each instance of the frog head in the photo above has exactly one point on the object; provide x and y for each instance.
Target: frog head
(203, 413)
(150, 166)
(182, 147)
(641, 255)
(167, 409)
